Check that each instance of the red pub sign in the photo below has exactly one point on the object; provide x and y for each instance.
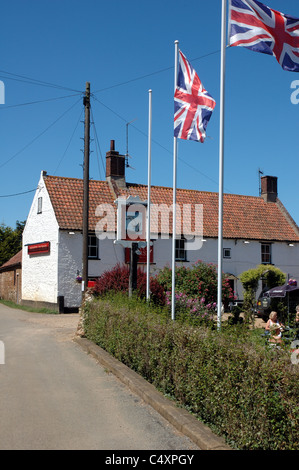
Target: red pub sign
(39, 248)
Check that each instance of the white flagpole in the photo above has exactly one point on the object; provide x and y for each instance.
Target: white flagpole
(174, 192)
(148, 227)
(221, 161)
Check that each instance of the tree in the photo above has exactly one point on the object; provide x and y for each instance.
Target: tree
(10, 241)
(273, 277)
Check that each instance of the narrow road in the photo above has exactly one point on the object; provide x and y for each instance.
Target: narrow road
(53, 396)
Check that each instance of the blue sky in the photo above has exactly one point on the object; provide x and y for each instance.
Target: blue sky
(124, 49)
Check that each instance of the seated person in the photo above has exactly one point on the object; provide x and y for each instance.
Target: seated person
(275, 328)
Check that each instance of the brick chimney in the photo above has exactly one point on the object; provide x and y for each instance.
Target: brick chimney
(269, 188)
(115, 166)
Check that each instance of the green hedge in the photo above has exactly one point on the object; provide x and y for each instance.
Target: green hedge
(232, 382)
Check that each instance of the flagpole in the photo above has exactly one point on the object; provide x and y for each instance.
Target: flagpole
(148, 227)
(221, 162)
(174, 192)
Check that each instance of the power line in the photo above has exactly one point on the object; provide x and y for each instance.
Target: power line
(37, 102)
(153, 73)
(34, 81)
(157, 143)
(19, 194)
(97, 144)
(39, 135)
(69, 143)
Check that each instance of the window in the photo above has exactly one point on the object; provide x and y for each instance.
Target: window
(92, 247)
(227, 253)
(266, 253)
(39, 205)
(180, 251)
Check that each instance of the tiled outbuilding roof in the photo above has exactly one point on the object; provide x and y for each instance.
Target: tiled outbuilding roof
(14, 261)
(244, 217)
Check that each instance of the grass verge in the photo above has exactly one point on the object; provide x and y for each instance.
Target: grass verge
(11, 304)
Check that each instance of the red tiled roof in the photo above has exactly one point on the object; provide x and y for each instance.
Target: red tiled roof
(15, 260)
(67, 198)
(244, 217)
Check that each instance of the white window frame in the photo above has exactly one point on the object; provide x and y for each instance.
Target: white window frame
(227, 253)
(180, 249)
(265, 254)
(93, 246)
(39, 205)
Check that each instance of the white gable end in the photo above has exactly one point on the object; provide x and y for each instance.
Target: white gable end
(40, 269)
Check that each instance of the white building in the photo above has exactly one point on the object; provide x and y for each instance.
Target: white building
(255, 230)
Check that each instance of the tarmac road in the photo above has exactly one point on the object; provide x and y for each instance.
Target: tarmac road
(53, 396)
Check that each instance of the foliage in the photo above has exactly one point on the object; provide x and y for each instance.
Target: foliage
(192, 310)
(117, 280)
(10, 241)
(197, 282)
(243, 390)
(272, 275)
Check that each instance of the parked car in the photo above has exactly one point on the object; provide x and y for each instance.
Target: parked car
(266, 303)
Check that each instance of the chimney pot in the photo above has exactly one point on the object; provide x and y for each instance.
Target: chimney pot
(112, 145)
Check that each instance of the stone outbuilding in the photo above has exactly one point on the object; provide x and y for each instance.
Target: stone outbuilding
(11, 279)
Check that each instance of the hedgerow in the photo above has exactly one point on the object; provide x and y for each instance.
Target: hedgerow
(242, 390)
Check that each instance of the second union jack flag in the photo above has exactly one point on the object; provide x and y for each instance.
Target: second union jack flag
(257, 27)
(193, 105)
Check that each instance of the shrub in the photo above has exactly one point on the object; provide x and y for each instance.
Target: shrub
(199, 281)
(243, 391)
(192, 310)
(117, 280)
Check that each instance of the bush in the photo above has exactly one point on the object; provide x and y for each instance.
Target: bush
(192, 311)
(117, 280)
(242, 390)
(199, 281)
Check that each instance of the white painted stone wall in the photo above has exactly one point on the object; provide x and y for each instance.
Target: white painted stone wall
(69, 265)
(39, 272)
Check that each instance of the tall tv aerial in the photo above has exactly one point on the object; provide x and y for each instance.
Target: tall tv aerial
(260, 173)
(127, 138)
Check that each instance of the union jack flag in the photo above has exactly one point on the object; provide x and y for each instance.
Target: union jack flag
(257, 27)
(193, 106)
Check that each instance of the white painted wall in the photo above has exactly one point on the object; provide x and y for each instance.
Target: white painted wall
(69, 263)
(39, 272)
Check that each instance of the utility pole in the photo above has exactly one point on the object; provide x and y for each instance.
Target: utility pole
(86, 103)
